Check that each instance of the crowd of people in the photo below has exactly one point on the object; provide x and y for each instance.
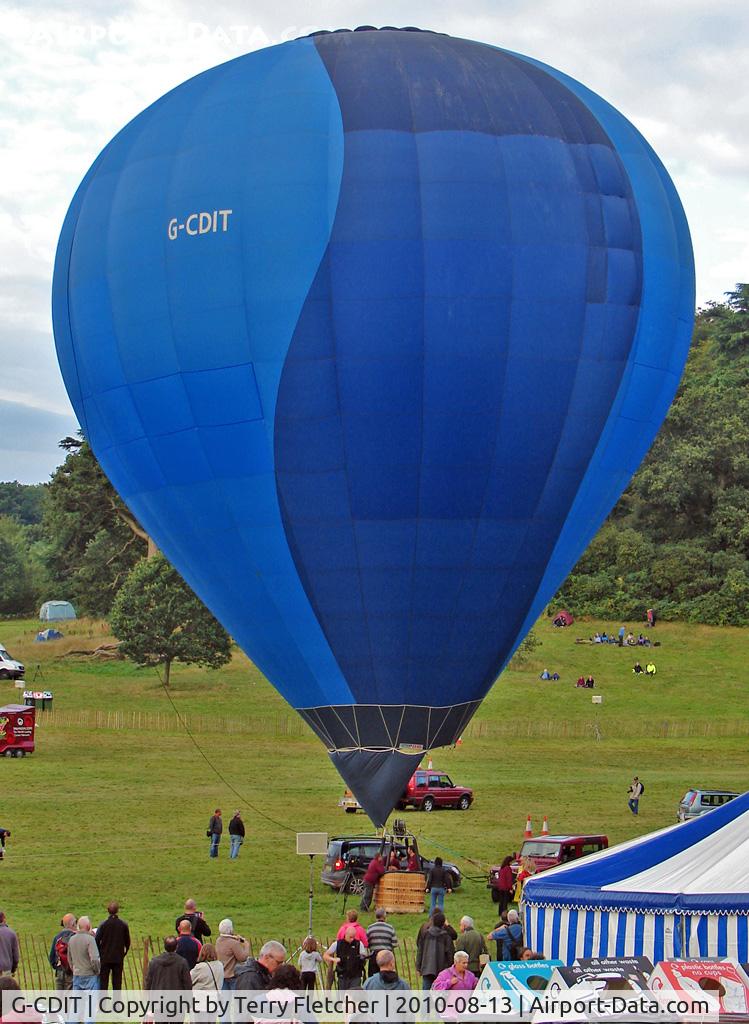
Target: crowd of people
(621, 639)
(84, 957)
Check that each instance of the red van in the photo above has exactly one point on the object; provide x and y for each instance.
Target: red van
(17, 730)
(429, 789)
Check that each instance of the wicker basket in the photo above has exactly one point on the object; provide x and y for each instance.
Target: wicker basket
(401, 892)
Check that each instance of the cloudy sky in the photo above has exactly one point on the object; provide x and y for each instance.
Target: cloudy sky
(72, 74)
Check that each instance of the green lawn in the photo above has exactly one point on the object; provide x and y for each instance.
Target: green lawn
(103, 812)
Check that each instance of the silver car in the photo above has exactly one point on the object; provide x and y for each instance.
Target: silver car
(696, 802)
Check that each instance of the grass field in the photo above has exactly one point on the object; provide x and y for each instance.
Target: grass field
(118, 808)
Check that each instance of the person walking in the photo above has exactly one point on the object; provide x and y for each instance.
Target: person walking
(438, 882)
(380, 935)
(434, 950)
(231, 950)
(622, 631)
(472, 943)
(113, 940)
(634, 793)
(188, 946)
(236, 835)
(9, 952)
(83, 955)
(58, 954)
(200, 927)
(385, 978)
(215, 828)
(167, 971)
(375, 870)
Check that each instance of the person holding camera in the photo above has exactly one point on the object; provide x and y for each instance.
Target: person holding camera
(198, 924)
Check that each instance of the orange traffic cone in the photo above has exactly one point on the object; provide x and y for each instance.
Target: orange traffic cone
(528, 829)
(545, 826)
(459, 741)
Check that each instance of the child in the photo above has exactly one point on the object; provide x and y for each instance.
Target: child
(309, 958)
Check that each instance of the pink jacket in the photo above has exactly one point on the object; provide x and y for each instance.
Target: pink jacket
(361, 934)
(465, 983)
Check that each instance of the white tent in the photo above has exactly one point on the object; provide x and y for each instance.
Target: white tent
(55, 611)
(683, 891)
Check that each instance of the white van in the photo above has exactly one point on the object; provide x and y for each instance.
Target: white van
(9, 667)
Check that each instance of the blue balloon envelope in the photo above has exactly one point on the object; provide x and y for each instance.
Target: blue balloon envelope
(370, 330)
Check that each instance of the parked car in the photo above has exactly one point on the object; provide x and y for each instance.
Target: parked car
(9, 667)
(546, 852)
(348, 857)
(697, 802)
(349, 802)
(428, 790)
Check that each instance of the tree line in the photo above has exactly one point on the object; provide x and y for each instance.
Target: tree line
(678, 540)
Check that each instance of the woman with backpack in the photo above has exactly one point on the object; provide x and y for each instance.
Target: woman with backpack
(508, 936)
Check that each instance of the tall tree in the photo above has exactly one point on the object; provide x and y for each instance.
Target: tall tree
(160, 620)
(679, 536)
(92, 540)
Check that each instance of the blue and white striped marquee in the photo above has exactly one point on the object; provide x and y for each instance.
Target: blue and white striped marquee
(683, 891)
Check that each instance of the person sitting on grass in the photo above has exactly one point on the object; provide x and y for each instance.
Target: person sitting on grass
(638, 669)
(650, 668)
(590, 683)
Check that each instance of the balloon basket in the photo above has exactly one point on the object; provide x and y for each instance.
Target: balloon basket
(401, 892)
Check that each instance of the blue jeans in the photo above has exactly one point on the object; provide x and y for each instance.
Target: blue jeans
(438, 899)
(215, 840)
(86, 984)
(236, 842)
(634, 806)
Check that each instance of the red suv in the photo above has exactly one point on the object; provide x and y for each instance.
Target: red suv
(548, 851)
(429, 789)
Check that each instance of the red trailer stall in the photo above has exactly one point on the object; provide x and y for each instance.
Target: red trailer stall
(17, 722)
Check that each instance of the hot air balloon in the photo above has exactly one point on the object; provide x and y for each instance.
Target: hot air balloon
(370, 330)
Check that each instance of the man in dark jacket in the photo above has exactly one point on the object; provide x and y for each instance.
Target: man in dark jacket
(256, 975)
(188, 946)
(198, 924)
(434, 950)
(348, 957)
(236, 835)
(113, 940)
(63, 970)
(168, 970)
(215, 828)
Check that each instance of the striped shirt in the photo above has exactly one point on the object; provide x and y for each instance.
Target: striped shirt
(381, 935)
